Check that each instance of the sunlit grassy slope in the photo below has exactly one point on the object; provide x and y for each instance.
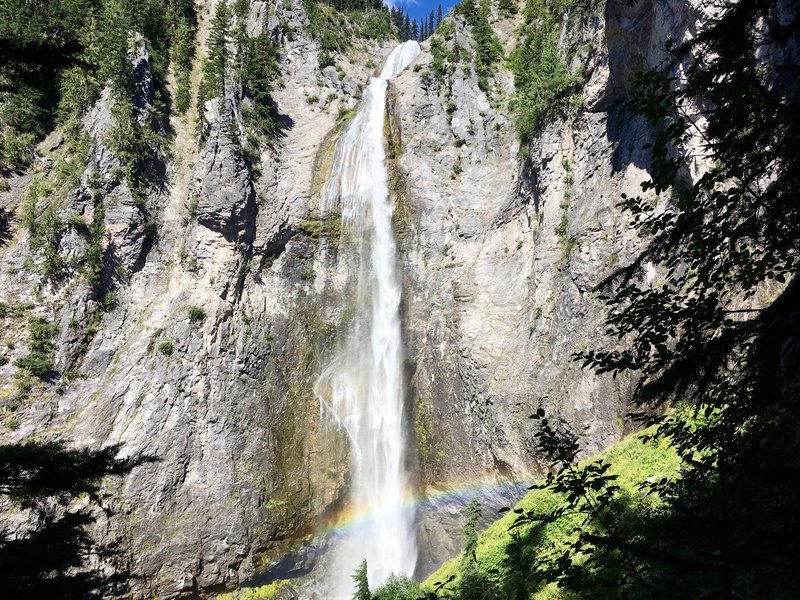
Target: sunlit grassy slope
(631, 459)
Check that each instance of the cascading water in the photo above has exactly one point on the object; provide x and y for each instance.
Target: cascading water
(362, 387)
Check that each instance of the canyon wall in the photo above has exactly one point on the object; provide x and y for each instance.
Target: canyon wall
(227, 293)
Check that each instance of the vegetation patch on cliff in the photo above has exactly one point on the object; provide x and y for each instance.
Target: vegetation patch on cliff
(546, 88)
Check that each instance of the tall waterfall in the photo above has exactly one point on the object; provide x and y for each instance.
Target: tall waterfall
(362, 387)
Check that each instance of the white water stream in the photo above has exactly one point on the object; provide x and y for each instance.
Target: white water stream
(362, 387)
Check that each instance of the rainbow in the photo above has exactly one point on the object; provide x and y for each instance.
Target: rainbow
(456, 494)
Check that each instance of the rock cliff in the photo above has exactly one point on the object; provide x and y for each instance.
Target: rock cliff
(221, 298)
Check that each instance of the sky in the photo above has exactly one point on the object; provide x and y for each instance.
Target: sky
(416, 9)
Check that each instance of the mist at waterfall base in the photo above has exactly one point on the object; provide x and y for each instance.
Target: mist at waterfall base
(361, 390)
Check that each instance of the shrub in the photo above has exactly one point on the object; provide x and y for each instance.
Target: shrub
(37, 365)
(196, 314)
(398, 587)
(325, 59)
(166, 348)
(39, 361)
(109, 301)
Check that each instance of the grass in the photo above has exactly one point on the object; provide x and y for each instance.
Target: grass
(632, 460)
(264, 592)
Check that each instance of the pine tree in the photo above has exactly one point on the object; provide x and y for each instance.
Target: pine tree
(423, 32)
(473, 584)
(362, 583)
(472, 518)
(414, 30)
(431, 22)
(439, 16)
(259, 69)
(216, 61)
(405, 33)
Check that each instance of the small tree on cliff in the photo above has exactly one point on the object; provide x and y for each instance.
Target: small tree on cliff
(362, 583)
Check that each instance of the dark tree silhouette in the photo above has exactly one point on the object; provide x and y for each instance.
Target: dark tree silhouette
(57, 557)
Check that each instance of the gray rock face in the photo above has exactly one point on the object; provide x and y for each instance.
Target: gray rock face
(499, 259)
(222, 187)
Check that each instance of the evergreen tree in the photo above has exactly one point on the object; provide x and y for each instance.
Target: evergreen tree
(423, 31)
(473, 583)
(182, 20)
(259, 69)
(362, 584)
(486, 44)
(217, 58)
(472, 518)
(439, 16)
(414, 30)
(405, 32)
(431, 22)
(468, 9)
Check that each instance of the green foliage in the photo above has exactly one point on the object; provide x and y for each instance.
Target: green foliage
(182, 19)
(485, 43)
(264, 592)
(216, 61)
(316, 228)
(512, 551)
(195, 313)
(507, 7)
(47, 240)
(440, 55)
(707, 507)
(57, 56)
(41, 349)
(326, 59)
(398, 587)
(567, 243)
(16, 148)
(166, 348)
(707, 332)
(374, 25)
(93, 257)
(545, 86)
(109, 302)
(362, 585)
(37, 365)
(36, 42)
(472, 518)
(326, 26)
(259, 69)
(132, 143)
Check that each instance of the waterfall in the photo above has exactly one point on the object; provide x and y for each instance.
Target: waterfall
(362, 389)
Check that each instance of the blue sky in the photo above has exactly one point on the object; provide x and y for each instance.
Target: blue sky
(419, 8)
